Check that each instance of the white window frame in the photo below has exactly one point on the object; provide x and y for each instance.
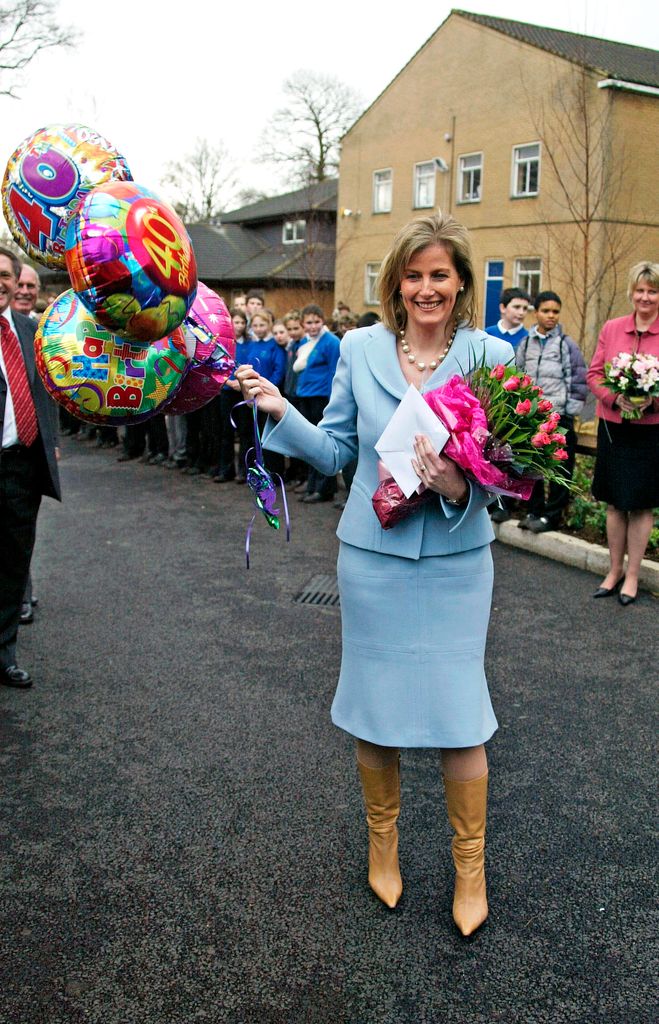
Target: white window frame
(461, 173)
(522, 276)
(376, 190)
(293, 226)
(515, 166)
(370, 279)
(429, 175)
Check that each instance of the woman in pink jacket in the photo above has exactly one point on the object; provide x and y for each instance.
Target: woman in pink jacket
(627, 466)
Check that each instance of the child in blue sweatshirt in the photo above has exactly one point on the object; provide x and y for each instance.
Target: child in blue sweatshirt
(315, 363)
(269, 359)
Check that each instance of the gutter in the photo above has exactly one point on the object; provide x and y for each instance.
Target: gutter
(616, 83)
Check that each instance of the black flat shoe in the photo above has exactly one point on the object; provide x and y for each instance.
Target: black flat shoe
(626, 599)
(607, 591)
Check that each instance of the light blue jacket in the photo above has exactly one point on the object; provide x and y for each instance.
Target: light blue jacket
(368, 386)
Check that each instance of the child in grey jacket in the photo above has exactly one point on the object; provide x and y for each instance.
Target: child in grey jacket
(555, 362)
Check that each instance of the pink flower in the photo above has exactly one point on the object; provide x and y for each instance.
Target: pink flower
(537, 390)
(523, 408)
(557, 438)
(550, 426)
(498, 371)
(526, 380)
(512, 384)
(559, 454)
(544, 405)
(539, 440)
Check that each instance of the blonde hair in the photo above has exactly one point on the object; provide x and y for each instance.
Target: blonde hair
(440, 229)
(262, 314)
(647, 271)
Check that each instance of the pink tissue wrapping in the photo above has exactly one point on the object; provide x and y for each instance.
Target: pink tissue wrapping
(455, 404)
(390, 504)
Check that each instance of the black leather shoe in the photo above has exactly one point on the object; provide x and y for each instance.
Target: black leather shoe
(313, 499)
(626, 599)
(541, 524)
(224, 478)
(27, 615)
(500, 515)
(607, 591)
(525, 522)
(16, 677)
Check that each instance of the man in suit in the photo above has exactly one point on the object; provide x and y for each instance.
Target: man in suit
(28, 463)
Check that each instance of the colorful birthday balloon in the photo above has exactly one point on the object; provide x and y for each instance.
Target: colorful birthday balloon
(131, 262)
(99, 377)
(45, 180)
(211, 349)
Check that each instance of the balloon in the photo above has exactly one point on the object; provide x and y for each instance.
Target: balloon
(101, 378)
(45, 180)
(131, 262)
(211, 348)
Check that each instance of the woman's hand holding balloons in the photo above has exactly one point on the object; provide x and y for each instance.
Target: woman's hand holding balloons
(269, 398)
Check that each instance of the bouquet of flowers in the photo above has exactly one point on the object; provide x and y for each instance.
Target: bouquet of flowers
(634, 376)
(504, 436)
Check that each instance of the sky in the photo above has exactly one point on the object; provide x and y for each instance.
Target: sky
(153, 76)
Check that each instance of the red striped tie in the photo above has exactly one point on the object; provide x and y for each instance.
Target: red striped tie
(19, 386)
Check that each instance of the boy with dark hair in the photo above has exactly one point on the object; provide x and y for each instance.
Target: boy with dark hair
(513, 305)
(556, 364)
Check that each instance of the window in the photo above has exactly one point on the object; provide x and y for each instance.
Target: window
(470, 173)
(526, 170)
(493, 289)
(382, 190)
(424, 184)
(370, 293)
(294, 231)
(527, 275)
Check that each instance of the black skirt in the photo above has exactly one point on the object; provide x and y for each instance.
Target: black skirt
(627, 466)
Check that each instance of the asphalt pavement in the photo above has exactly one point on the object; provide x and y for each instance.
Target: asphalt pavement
(182, 829)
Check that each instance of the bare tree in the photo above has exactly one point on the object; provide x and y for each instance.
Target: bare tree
(585, 236)
(304, 135)
(26, 28)
(203, 183)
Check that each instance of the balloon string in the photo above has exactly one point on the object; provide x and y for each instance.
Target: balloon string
(261, 483)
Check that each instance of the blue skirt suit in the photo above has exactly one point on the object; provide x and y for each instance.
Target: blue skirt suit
(415, 600)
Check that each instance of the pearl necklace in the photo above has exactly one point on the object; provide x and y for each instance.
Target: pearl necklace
(434, 363)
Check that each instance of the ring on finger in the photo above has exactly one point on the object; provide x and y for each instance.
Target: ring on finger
(422, 467)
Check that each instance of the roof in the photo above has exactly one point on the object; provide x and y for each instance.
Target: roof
(321, 196)
(236, 253)
(616, 60)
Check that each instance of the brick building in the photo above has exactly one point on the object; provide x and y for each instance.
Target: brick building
(538, 140)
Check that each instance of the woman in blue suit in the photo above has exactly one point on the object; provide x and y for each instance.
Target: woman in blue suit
(415, 600)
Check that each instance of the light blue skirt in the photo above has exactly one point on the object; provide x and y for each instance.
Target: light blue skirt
(414, 632)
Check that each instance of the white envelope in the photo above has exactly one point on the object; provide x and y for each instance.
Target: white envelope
(395, 446)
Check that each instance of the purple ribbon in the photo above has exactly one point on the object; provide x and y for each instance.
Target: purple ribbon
(261, 484)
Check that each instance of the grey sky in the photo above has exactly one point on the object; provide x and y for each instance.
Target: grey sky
(152, 80)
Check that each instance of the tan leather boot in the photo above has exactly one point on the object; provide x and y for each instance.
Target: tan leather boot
(382, 798)
(467, 806)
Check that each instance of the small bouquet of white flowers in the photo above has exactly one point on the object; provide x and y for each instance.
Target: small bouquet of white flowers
(636, 376)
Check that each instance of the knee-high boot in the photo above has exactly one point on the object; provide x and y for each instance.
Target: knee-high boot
(381, 788)
(467, 806)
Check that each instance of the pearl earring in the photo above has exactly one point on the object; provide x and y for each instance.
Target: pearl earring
(462, 288)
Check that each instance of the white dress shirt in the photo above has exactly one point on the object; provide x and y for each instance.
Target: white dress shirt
(9, 430)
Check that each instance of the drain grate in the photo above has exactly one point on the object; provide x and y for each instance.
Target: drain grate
(320, 591)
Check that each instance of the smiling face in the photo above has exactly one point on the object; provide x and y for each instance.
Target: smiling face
(8, 282)
(295, 329)
(429, 288)
(27, 292)
(645, 300)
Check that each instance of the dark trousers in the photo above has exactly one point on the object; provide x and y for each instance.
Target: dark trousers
(20, 498)
(225, 431)
(312, 409)
(297, 469)
(556, 499)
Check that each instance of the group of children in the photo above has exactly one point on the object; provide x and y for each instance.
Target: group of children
(556, 364)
